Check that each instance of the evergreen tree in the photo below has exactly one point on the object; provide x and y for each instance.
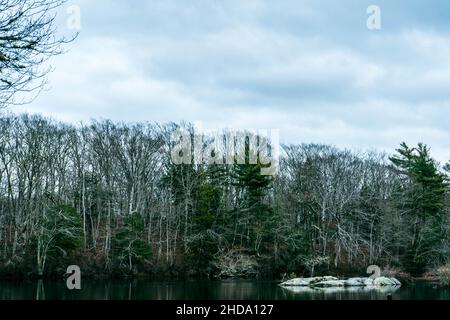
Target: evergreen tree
(253, 211)
(128, 244)
(58, 234)
(423, 197)
(204, 241)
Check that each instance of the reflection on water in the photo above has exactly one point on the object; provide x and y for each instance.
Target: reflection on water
(208, 290)
(340, 293)
(40, 290)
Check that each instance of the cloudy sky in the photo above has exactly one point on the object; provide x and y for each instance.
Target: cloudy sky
(309, 68)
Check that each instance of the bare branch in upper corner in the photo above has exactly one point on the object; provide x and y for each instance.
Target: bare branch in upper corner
(28, 38)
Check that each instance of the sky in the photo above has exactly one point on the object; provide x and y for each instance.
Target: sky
(311, 69)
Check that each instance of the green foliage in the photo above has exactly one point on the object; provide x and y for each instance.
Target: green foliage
(69, 237)
(423, 199)
(58, 235)
(207, 206)
(253, 210)
(128, 245)
(204, 243)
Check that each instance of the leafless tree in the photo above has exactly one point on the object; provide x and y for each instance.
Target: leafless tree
(28, 38)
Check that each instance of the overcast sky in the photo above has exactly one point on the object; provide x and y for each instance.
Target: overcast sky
(309, 68)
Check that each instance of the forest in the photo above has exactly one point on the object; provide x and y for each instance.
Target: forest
(107, 197)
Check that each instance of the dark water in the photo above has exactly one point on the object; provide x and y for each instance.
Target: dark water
(206, 290)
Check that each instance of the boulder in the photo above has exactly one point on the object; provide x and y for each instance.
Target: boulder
(355, 282)
(385, 281)
(330, 283)
(305, 282)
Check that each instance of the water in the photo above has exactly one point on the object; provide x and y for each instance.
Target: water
(207, 290)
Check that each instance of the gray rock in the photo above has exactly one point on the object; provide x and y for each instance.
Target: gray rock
(305, 282)
(355, 282)
(333, 290)
(331, 283)
(385, 281)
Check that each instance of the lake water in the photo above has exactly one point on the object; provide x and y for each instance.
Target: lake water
(207, 290)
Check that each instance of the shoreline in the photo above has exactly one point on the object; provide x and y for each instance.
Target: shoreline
(51, 278)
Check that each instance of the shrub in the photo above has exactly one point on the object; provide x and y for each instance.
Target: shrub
(393, 272)
(312, 262)
(128, 247)
(443, 275)
(235, 264)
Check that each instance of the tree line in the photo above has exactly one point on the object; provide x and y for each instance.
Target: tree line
(107, 197)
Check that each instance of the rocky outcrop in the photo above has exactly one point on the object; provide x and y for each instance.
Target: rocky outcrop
(333, 290)
(356, 282)
(306, 282)
(384, 281)
(330, 282)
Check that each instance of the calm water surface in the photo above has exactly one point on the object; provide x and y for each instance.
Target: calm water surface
(206, 290)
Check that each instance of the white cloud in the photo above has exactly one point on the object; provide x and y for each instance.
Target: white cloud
(257, 64)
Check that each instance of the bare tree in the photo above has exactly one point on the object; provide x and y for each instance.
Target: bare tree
(27, 40)
(109, 194)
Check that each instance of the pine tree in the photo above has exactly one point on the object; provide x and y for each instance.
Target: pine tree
(204, 242)
(423, 197)
(253, 212)
(128, 245)
(58, 234)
